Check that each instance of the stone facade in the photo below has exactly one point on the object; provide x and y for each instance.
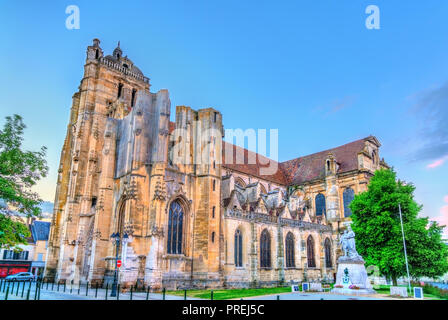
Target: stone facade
(126, 169)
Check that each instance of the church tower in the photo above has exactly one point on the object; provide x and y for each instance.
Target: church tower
(83, 202)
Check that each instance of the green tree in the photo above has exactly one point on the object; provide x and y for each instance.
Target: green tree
(19, 172)
(376, 223)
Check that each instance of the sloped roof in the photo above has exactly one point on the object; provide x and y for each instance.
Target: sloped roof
(40, 230)
(312, 166)
(253, 169)
(295, 171)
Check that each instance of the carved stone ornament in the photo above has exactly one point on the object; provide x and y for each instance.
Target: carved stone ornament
(159, 192)
(129, 228)
(75, 155)
(156, 232)
(130, 191)
(164, 132)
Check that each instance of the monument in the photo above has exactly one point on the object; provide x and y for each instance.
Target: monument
(351, 277)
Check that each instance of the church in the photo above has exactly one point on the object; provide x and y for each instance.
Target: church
(179, 206)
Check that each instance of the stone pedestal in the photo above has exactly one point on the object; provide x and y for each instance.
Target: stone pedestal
(352, 272)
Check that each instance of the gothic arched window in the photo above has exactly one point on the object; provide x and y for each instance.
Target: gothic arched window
(328, 260)
(347, 197)
(289, 251)
(320, 205)
(310, 252)
(239, 181)
(175, 228)
(120, 221)
(374, 157)
(265, 249)
(238, 250)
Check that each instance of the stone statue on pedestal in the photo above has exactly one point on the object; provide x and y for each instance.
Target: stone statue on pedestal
(347, 242)
(352, 276)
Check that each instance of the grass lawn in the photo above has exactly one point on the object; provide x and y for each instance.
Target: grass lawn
(385, 289)
(230, 293)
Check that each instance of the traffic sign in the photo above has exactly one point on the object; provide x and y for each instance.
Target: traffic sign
(118, 263)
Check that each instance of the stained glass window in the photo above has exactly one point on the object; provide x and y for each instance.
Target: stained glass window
(265, 249)
(289, 250)
(310, 252)
(175, 225)
(238, 251)
(320, 205)
(348, 196)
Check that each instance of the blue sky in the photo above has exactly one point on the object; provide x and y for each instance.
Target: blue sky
(309, 68)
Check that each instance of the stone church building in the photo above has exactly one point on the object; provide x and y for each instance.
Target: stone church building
(184, 212)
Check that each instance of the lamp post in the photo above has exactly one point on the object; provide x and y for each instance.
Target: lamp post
(115, 238)
(404, 247)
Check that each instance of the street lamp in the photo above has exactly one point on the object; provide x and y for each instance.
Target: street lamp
(115, 238)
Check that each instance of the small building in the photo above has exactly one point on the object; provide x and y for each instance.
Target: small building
(39, 233)
(31, 258)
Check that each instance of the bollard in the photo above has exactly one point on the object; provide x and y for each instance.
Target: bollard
(147, 293)
(7, 292)
(131, 293)
(118, 292)
(58, 287)
(278, 297)
(71, 286)
(65, 284)
(28, 292)
(23, 288)
(52, 285)
(185, 294)
(87, 288)
(35, 292)
(96, 290)
(211, 294)
(38, 292)
(17, 291)
(47, 283)
(79, 287)
(13, 285)
(164, 290)
(107, 287)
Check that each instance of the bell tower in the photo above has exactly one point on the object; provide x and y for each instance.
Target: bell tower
(80, 227)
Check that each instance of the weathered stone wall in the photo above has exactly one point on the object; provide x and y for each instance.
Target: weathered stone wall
(121, 168)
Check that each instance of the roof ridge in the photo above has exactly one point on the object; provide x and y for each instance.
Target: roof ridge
(327, 150)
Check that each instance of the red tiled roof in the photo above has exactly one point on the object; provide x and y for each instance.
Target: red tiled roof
(312, 167)
(295, 171)
(302, 169)
(253, 169)
(172, 126)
